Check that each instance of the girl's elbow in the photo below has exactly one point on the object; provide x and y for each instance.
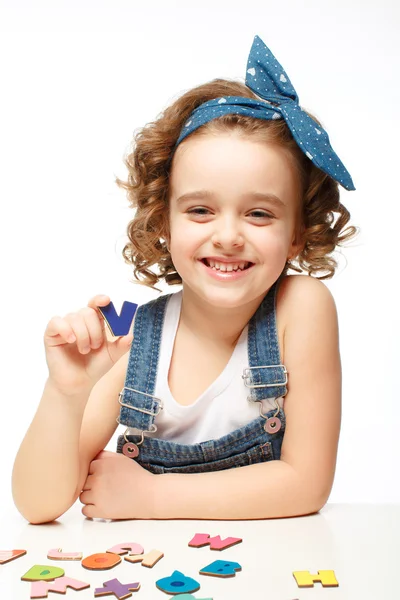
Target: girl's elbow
(313, 497)
(40, 520)
(319, 498)
(39, 517)
(39, 514)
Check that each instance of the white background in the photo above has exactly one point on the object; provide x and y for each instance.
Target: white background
(78, 78)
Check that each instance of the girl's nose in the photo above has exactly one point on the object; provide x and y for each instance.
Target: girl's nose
(227, 234)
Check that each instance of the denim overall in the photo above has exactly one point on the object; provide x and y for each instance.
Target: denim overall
(265, 377)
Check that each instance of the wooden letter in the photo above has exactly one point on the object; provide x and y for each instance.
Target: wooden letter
(188, 597)
(39, 589)
(305, 579)
(101, 561)
(221, 568)
(203, 539)
(118, 325)
(147, 560)
(177, 583)
(120, 590)
(7, 555)
(58, 554)
(40, 572)
(126, 547)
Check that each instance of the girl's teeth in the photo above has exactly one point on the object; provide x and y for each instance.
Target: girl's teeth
(226, 267)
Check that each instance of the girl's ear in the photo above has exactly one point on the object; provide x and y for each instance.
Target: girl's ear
(167, 242)
(166, 232)
(297, 244)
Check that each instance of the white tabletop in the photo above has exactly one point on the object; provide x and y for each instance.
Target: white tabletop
(360, 543)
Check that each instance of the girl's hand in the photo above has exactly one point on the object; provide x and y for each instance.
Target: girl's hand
(118, 488)
(78, 353)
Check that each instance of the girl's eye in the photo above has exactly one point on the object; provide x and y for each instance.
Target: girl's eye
(196, 210)
(260, 214)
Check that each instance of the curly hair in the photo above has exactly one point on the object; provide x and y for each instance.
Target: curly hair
(322, 220)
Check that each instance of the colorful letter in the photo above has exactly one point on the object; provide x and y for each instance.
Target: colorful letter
(101, 561)
(126, 547)
(118, 325)
(120, 590)
(58, 554)
(147, 560)
(7, 555)
(40, 572)
(305, 579)
(177, 584)
(221, 568)
(188, 597)
(203, 539)
(39, 589)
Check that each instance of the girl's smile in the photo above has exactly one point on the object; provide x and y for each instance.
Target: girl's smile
(230, 273)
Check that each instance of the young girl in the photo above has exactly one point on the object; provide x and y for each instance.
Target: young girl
(233, 185)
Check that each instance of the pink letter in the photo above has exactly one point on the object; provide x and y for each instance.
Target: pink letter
(124, 548)
(39, 589)
(203, 539)
(58, 554)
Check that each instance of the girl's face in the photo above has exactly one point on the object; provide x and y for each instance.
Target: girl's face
(234, 198)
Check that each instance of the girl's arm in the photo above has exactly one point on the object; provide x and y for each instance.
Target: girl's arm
(65, 435)
(300, 482)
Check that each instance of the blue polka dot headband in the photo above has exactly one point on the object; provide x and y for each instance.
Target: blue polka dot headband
(266, 78)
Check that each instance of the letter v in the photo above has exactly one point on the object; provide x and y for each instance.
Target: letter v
(118, 325)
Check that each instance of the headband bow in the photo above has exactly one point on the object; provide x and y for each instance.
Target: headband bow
(266, 78)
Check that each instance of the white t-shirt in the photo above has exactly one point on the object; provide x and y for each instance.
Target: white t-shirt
(221, 408)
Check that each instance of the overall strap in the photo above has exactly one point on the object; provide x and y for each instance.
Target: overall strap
(266, 377)
(139, 406)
